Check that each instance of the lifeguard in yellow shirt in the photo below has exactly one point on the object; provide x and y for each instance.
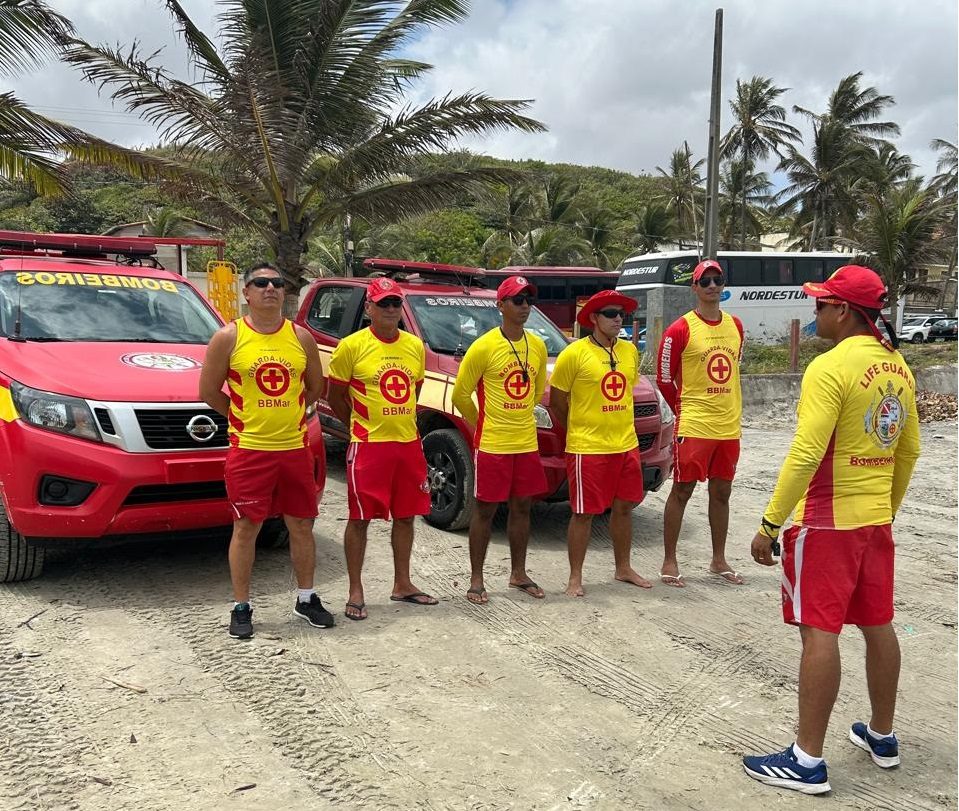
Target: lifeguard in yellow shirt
(856, 444)
(506, 368)
(591, 396)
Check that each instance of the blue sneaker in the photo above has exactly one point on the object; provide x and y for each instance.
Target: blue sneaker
(781, 769)
(884, 751)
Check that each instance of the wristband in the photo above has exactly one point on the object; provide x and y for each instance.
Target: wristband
(769, 529)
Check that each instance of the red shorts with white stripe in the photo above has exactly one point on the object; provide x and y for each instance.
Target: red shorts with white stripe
(836, 577)
(502, 476)
(696, 459)
(386, 480)
(264, 483)
(596, 479)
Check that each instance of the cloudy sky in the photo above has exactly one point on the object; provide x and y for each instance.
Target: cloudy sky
(619, 83)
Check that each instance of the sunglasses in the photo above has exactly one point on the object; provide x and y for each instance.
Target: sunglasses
(266, 281)
(522, 299)
(611, 313)
(822, 302)
(392, 301)
(709, 281)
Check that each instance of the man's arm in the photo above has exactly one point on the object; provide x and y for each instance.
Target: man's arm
(470, 371)
(313, 375)
(669, 361)
(560, 384)
(338, 389)
(216, 367)
(559, 406)
(539, 385)
(340, 401)
(907, 452)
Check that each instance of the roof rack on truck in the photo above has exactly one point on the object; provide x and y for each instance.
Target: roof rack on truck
(427, 272)
(84, 245)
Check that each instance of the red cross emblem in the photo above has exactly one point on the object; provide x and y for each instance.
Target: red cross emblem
(395, 386)
(516, 388)
(719, 368)
(613, 386)
(273, 379)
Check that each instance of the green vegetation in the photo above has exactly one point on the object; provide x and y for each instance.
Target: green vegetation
(774, 359)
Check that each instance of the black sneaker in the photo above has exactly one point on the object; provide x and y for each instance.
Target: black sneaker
(241, 621)
(314, 613)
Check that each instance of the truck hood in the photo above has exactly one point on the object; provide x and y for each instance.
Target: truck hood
(121, 372)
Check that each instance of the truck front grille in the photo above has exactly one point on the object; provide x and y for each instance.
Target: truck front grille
(167, 493)
(166, 428)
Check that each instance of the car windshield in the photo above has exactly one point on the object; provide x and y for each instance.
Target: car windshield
(449, 324)
(914, 322)
(41, 306)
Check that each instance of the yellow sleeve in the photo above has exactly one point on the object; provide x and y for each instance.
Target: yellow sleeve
(540, 385)
(907, 452)
(421, 355)
(820, 402)
(467, 378)
(565, 369)
(341, 362)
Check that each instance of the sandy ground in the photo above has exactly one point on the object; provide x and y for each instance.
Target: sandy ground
(624, 699)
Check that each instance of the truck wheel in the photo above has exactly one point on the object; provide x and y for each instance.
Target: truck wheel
(450, 475)
(273, 535)
(18, 560)
(917, 338)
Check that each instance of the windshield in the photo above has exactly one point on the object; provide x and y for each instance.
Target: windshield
(450, 324)
(914, 322)
(102, 307)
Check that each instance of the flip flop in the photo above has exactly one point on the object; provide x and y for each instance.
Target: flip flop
(479, 592)
(358, 607)
(674, 580)
(527, 588)
(413, 598)
(729, 576)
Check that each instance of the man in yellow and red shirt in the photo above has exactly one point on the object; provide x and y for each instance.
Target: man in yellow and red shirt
(856, 444)
(698, 375)
(506, 368)
(591, 396)
(272, 368)
(375, 377)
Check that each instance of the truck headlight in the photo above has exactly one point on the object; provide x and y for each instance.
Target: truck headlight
(542, 417)
(54, 412)
(665, 412)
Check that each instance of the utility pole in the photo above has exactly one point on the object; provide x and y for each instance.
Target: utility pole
(348, 245)
(711, 225)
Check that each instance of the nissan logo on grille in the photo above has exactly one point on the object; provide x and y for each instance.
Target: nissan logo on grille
(201, 428)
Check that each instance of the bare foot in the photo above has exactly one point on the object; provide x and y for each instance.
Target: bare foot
(728, 575)
(631, 576)
(477, 595)
(669, 575)
(575, 589)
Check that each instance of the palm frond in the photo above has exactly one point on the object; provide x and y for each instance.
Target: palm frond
(29, 32)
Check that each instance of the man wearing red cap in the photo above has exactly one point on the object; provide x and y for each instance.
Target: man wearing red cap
(375, 377)
(856, 444)
(698, 375)
(506, 368)
(591, 397)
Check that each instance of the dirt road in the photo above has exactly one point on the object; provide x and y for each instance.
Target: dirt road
(124, 691)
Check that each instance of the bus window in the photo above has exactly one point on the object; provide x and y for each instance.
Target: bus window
(549, 288)
(778, 272)
(746, 272)
(832, 265)
(680, 271)
(808, 270)
(584, 289)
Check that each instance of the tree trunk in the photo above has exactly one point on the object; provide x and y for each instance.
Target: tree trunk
(289, 256)
(742, 220)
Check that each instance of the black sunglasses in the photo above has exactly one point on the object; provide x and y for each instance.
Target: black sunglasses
(522, 299)
(708, 281)
(266, 281)
(392, 301)
(611, 313)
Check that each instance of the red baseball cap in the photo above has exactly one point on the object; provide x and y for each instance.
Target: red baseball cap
(706, 264)
(852, 283)
(603, 299)
(383, 288)
(513, 286)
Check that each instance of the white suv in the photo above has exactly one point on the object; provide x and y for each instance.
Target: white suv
(916, 329)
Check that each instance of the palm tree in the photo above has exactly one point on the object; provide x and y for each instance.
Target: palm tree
(166, 222)
(856, 109)
(654, 226)
(760, 129)
(598, 227)
(302, 119)
(889, 167)
(901, 232)
(684, 193)
(946, 178)
(548, 245)
(738, 186)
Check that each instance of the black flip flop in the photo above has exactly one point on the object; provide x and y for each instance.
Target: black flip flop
(411, 598)
(358, 607)
(527, 587)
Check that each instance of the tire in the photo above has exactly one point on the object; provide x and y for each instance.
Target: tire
(917, 338)
(273, 535)
(18, 560)
(449, 471)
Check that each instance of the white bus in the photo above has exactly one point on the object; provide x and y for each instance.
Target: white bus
(763, 289)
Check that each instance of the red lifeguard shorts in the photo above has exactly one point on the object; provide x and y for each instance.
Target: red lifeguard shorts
(386, 480)
(264, 483)
(501, 476)
(836, 577)
(596, 479)
(696, 459)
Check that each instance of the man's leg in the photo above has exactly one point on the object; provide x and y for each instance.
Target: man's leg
(481, 526)
(242, 554)
(302, 550)
(819, 676)
(401, 537)
(672, 522)
(517, 530)
(719, 492)
(354, 545)
(577, 541)
(882, 674)
(621, 532)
